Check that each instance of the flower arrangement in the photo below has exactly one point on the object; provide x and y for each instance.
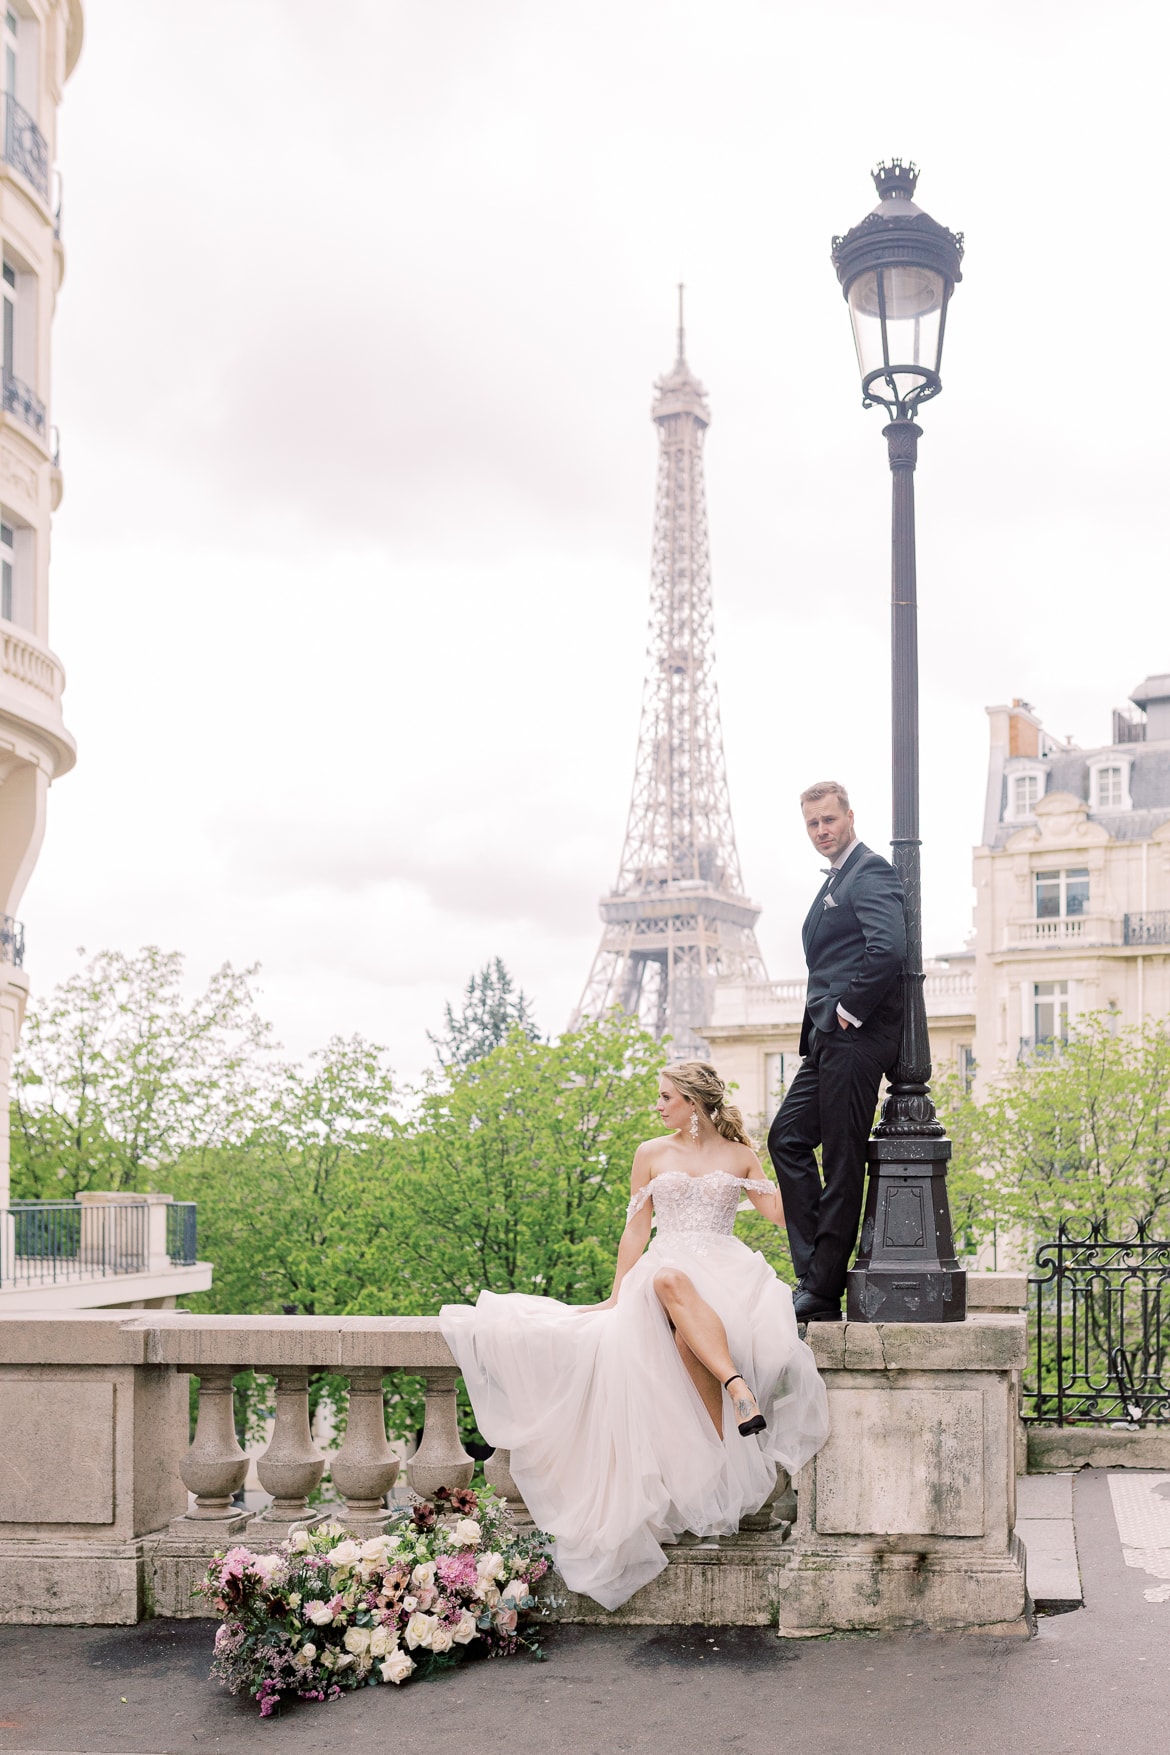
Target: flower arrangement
(328, 1611)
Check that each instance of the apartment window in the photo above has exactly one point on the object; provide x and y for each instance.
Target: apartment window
(1049, 1011)
(1109, 786)
(7, 570)
(16, 570)
(9, 291)
(1025, 787)
(778, 1072)
(1062, 895)
(11, 38)
(966, 1062)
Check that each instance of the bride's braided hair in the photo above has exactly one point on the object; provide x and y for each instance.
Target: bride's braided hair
(699, 1083)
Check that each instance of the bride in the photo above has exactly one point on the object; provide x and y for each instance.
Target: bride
(668, 1407)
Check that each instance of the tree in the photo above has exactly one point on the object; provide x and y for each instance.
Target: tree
(1079, 1134)
(492, 1008)
(118, 1074)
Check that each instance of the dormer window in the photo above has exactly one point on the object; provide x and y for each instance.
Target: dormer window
(1109, 785)
(1025, 787)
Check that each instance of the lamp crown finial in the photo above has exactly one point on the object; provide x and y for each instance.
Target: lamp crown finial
(896, 179)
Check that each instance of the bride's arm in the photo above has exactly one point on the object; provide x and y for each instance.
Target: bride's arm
(637, 1232)
(763, 1194)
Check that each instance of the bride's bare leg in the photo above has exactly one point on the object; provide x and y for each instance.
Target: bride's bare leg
(696, 1324)
(709, 1387)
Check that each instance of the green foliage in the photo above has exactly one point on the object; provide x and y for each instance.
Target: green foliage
(118, 1073)
(1080, 1134)
(493, 1007)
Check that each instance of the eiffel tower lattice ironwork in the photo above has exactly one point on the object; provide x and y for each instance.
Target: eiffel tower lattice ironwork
(677, 917)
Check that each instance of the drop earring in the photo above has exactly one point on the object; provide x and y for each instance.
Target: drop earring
(694, 1124)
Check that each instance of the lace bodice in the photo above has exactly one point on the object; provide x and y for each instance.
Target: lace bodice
(693, 1204)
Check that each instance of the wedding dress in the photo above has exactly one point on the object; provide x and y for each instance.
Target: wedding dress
(610, 1443)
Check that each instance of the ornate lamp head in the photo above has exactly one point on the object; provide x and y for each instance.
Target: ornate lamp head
(897, 270)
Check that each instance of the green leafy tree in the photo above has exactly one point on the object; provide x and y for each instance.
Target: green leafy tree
(119, 1073)
(493, 1007)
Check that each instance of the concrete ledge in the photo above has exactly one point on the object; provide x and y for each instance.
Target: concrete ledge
(942, 1591)
(1006, 1291)
(1053, 1449)
(990, 1342)
(53, 1584)
(731, 1581)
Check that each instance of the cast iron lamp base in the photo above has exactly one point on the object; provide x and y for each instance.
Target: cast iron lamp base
(906, 1270)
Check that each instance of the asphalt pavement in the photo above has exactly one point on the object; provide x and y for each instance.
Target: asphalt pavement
(1097, 1678)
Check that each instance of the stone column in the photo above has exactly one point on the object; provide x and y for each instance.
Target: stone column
(440, 1460)
(497, 1472)
(214, 1466)
(292, 1465)
(365, 1468)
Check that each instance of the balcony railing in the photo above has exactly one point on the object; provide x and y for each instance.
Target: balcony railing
(57, 1242)
(1148, 929)
(24, 403)
(11, 941)
(1070, 929)
(25, 147)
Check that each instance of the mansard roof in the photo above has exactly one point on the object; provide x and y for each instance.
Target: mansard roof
(1069, 770)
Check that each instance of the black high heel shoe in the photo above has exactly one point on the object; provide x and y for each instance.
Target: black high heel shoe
(757, 1421)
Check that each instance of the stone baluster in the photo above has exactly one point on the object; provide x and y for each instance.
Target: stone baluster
(214, 1467)
(440, 1460)
(497, 1472)
(365, 1468)
(778, 1509)
(292, 1465)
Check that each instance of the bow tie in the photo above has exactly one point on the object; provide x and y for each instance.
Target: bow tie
(831, 871)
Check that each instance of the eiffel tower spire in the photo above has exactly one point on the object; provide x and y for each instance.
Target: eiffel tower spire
(677, 916)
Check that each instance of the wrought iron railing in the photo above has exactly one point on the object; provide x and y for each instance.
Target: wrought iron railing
(1152, 928)
(24, 403)
(11, 941)
(1100, 1331)
(182, 1234)
(25, 147)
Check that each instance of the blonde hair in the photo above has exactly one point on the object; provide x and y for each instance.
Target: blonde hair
(822, 789)
(699, 1083)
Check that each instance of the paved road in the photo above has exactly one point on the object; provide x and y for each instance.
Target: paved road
(1097, 1679)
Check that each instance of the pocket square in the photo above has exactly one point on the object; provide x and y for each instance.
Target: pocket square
(829, 902)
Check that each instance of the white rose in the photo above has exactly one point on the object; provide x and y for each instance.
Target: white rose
(357, 1640)
(488, 1594)
(382, 1642)
(465, 1632)
(466, 1533)
(294, 1599)
(298, 1540)
(345, 1554)
(320, 1614)
(376, 1548)
(308, 1652)
(423, 1577)
(410, 1604)
(517, 1590)
(490, 1566)
(397, 1667)
(419, 1629)
(442, 1639)
(344, 1662)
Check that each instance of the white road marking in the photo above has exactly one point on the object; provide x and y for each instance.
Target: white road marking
(1141, 1505)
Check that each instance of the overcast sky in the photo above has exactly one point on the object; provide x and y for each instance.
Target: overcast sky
(353, 365)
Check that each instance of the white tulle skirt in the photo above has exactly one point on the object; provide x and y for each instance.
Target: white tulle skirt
(611, 1446)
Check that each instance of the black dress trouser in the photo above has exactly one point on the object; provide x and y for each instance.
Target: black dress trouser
(830, 1103)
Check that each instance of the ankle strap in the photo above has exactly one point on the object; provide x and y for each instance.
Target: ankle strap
(732, 1379)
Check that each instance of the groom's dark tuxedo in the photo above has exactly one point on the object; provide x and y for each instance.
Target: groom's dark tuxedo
(855, 948)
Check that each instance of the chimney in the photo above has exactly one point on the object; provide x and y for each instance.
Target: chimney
(1154, 696)
(1023, 729)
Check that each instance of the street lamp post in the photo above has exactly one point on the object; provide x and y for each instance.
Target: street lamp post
(897, 270)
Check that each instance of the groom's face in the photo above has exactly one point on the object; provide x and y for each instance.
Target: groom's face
(830, 829)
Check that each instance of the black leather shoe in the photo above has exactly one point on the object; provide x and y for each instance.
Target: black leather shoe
(810, 1307)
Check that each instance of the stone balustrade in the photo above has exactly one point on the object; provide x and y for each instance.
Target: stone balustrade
(905, 1518)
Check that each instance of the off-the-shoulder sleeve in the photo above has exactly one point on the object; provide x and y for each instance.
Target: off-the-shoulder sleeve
(759, 1185)
(638, 1201)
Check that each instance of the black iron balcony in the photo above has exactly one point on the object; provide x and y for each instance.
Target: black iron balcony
(51, 1242)
(25, 147)
(11, 941)
(1148, 929)
(24, 403)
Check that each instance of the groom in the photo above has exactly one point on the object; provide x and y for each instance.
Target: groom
(855, 947)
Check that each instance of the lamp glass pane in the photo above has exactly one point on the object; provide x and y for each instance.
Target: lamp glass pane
(897, 323)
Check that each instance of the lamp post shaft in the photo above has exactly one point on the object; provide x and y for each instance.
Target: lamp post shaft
(906, 1269)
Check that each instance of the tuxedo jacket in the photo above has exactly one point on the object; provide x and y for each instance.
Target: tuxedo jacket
(855, 946)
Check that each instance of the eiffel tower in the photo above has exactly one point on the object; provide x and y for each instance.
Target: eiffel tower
(677, 916)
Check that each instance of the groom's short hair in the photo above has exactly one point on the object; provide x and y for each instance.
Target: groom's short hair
(822, 789)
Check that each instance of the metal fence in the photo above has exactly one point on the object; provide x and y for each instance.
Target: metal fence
(11, 941)
(182, 1246)
(1150, 928)
(25, 147)
(52, 1242)
(1100, 1331)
